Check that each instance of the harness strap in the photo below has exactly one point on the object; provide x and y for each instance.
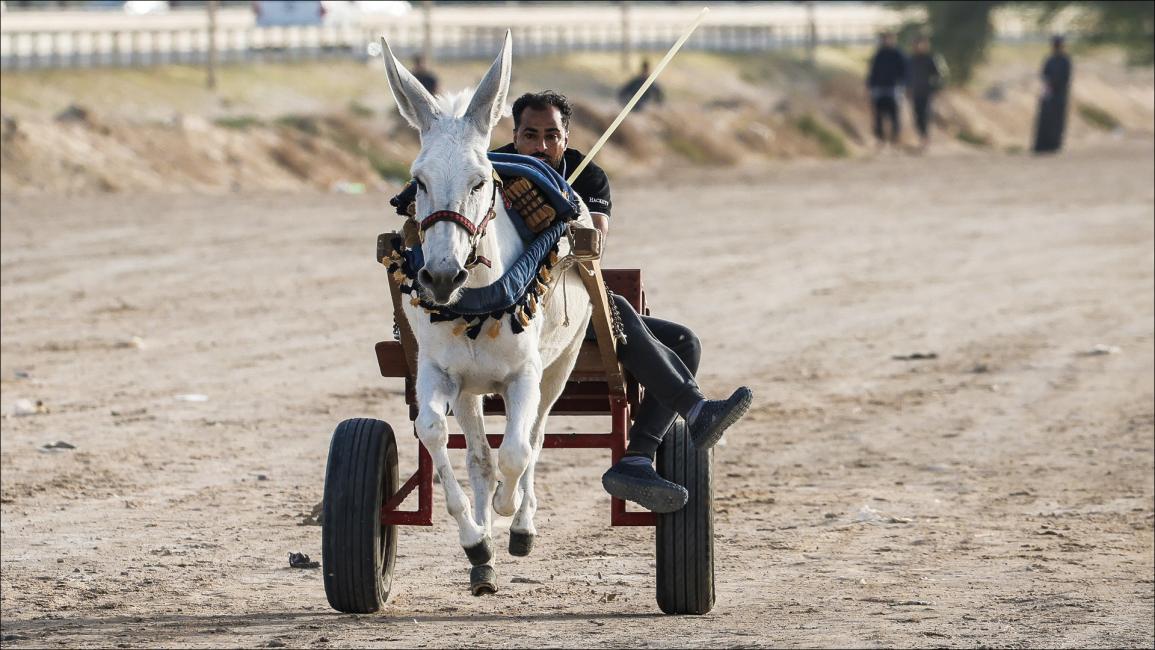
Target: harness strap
(455, 217)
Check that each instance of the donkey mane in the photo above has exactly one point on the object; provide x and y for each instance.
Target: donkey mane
(455, 104)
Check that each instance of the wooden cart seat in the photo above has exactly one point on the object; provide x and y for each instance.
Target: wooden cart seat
(586, 393)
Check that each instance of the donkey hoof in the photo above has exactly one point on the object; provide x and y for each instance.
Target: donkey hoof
(482, 580)
(513, 504)
(520, 544)
(480, 553)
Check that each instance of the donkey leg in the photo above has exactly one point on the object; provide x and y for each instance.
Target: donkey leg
(553, 381)
(522, 397)
(521, 530)
(479, 460)
(435, 390)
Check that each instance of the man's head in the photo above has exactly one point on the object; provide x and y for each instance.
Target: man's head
(1057, 43)
(922, 45)
(418, 62)
(645, 67)
(887, 39)
(541, 125)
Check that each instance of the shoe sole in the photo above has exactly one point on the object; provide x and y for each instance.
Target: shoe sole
(645, 494)
(714, 434)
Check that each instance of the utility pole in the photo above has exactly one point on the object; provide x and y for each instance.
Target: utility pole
(626, 42)
(811, 34)
(211, 80)
(427, 36)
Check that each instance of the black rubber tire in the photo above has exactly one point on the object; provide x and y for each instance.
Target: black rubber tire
(358, 552)
(685, 539)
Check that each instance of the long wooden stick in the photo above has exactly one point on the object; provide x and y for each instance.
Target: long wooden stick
(638, 95)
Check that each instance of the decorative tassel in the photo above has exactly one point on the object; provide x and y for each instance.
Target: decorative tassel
(495, 329)
(459, 328)
(532, 304)
(472, 332)
(544, 275)
(522, 318)
(414, 301)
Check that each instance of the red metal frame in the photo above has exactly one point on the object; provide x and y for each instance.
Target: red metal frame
(584, 398)
(422, 478)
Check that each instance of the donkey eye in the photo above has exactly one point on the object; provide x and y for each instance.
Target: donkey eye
(420, 185)
(477, 188)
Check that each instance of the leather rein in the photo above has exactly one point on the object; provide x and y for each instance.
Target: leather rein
(476, 231)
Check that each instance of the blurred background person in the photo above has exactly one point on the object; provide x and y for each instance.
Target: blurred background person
(1052, 117)
(926, 78)
(424, 74)
(653, 93)
(887, 74)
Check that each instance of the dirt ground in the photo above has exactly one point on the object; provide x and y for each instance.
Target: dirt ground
(999, 494)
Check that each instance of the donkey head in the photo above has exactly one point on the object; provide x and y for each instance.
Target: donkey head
(455, 190)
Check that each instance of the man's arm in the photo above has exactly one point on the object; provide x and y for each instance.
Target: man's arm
(594, 188)
(602, 223)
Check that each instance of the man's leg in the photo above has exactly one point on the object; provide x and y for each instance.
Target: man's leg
(889, 109)
(877, 110)
(922, 115)
(670, 388)
(653, 419)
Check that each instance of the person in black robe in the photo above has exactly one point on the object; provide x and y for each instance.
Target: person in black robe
(653, 93)
(1052, 117)
(925, 79)
(424, 75)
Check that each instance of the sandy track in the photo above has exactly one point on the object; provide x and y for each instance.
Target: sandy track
(1000, 494)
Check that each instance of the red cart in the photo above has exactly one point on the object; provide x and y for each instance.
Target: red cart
(365, 497)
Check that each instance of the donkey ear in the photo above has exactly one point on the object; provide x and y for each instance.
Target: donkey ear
(488, 101)
(417, 106)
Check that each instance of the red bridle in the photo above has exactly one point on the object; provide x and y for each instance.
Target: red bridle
(457, 218)
(476, 231)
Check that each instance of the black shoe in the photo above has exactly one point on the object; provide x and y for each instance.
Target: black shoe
(717, 415)
(642, 485)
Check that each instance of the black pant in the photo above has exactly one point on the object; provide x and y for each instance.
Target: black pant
(663, 356)
(886, 107)
(921, 105)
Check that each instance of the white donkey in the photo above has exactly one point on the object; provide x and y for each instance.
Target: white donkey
(529, 369)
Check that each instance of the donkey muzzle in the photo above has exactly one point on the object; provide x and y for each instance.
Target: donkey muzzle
(442, 283)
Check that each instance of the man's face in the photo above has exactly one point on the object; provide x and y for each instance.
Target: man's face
(541, 135)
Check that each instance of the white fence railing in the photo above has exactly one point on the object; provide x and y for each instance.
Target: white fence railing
(148, 47)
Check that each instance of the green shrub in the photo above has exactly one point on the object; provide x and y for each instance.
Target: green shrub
(302, 123)
(388, 169)
(1098, 117)
(360, 110)
(240, 122)
(970, 137)
(831, 143)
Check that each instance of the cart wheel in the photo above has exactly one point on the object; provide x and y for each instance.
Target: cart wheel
(357, 550)
(685, 539)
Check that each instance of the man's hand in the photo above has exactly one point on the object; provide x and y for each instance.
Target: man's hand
(602, 223)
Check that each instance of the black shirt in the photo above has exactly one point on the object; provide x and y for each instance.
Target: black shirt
(887, 68)
(592, 186)
(924, 75)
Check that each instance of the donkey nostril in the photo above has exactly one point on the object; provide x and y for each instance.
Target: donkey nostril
(425, 277)
(460, 277)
